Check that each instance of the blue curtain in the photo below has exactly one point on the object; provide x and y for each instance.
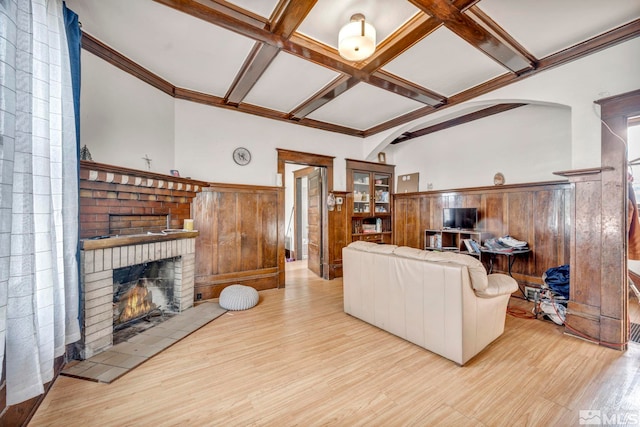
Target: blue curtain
(74, 40)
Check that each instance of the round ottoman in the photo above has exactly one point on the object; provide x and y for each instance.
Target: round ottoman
(238, 297)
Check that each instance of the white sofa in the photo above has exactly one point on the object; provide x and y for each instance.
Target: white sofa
(442, 301)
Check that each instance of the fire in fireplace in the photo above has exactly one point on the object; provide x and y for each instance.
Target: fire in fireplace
(143, 290)
(135, 303)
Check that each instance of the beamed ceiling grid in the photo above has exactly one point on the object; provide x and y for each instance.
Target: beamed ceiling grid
(433, 54)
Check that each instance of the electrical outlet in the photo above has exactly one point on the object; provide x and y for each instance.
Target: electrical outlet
(198, 297)
(530, 293)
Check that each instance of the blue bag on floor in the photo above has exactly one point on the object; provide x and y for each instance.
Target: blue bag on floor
(557, 279)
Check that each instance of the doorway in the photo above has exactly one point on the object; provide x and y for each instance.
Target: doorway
(304, 195)
(300, 212)
(303, 188)
(324, 166)
(633, 261)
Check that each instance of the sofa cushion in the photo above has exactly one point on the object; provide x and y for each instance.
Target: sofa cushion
(372, 247)
(361, 245)
(499, 284)
(477, 272)
(413, 253)
(382, 249)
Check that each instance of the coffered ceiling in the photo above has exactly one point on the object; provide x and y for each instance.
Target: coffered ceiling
(279, 59)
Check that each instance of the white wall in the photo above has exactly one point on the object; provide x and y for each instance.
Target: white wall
(576, 85)
(526, 144)
(206, 137)
(123, 119)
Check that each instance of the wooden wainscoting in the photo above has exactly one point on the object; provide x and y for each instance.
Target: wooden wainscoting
(238, 240)
(538, 213)
(339, 234)
(583, 310)
(599, 277)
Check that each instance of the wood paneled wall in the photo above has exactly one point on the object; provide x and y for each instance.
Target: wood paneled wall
(339, 234)
(583, 310)
(238, 240)
(598, 309)
(538, 213)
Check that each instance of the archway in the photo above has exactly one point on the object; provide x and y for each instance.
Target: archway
(454, 117)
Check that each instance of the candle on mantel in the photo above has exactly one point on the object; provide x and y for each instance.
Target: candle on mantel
(188, 224)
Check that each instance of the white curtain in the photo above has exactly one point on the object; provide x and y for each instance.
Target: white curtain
(38, 195)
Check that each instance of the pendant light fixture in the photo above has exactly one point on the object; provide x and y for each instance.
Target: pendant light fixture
(357, 39)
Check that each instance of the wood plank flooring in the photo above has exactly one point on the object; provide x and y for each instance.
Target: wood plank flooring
(297, 359)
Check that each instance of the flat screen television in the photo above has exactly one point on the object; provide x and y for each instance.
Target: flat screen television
(462, 218)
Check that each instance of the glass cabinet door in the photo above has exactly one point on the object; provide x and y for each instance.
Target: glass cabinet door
(381, 192)
(370, 187)
(361, 193)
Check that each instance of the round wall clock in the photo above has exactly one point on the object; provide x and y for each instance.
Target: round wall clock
(498, 179)
(241, 156)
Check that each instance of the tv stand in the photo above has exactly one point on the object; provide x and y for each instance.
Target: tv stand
(453, 239)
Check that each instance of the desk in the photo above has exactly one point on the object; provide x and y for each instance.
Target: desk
(511, 257)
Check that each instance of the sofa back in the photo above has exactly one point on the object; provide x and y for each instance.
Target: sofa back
(477, 271)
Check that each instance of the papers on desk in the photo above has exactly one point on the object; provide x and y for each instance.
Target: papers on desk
(505, 244)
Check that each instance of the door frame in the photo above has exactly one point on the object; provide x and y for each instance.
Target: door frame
(309, 159)
(298, 175)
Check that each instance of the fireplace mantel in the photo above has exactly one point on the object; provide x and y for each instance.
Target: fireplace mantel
(135, 239)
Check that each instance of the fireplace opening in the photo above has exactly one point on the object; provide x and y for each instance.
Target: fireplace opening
(143, 296)
(136, 303)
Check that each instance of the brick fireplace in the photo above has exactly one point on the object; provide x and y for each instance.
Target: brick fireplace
(115, 200)
(99, 259)
(123, 213)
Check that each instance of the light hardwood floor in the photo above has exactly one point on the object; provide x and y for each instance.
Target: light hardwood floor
(297, 359)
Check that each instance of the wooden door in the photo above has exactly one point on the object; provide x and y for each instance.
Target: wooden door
(314, 213)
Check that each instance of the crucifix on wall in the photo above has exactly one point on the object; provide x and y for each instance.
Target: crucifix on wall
(148, 160)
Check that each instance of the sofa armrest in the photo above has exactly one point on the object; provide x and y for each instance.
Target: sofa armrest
(499, 284)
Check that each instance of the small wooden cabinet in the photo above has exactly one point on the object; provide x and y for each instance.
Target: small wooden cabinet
(370, 187)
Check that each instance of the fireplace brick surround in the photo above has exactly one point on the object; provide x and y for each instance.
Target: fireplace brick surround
(106, 192)
(97, 267)
(109, 191)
